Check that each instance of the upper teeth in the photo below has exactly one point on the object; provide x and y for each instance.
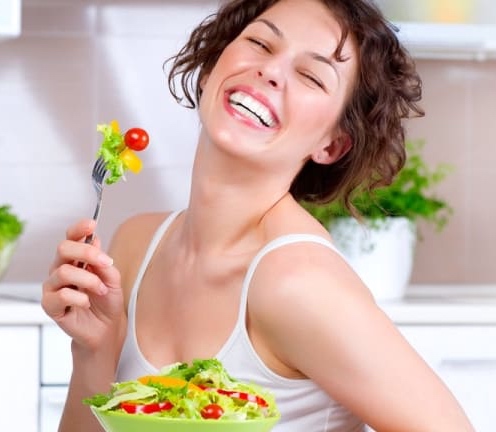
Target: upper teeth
(248, 106)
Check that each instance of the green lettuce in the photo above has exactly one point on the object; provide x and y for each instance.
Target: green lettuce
(111, 146)
(10, 226)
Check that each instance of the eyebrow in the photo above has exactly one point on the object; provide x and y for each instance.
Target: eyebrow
(280, 34)
(272, 26)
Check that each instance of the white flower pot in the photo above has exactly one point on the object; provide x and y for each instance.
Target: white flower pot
(6, 253)
(380, 252)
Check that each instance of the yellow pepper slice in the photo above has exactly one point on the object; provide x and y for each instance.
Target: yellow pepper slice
(168, 381)
(130, 160)
(114, 124)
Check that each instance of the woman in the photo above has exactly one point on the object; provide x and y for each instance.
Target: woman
(244, 274)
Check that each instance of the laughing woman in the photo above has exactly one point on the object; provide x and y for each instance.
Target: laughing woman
(298, 99)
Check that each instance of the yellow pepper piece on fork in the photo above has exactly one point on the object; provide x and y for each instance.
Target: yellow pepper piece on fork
(130, 160)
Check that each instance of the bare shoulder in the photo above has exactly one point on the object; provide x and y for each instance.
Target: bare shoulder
(130, 242)
(311, 281)
(302, 296)
(311, 261)
(306, 271)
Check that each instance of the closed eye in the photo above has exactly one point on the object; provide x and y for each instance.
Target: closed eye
(259, 43)
(314, 80)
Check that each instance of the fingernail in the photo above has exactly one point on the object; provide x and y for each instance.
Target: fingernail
(105, 260)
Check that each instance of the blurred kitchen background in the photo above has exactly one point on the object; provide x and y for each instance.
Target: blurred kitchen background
(77, 63)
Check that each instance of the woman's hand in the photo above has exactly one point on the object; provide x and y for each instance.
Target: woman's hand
(87, 303)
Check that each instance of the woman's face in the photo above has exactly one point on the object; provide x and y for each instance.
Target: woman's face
(276, 92)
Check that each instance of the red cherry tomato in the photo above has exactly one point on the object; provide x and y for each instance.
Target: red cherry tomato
(244, 396)
(136, 139)
(135, 408)
(212, 411)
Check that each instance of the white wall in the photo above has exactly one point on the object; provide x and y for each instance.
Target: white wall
(79, 63)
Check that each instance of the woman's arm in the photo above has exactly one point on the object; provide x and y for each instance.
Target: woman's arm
(91, 314)
(96, 321)
(331, 330)
(92, 373)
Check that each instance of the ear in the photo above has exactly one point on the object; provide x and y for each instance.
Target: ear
(334, 151)
(203, 81)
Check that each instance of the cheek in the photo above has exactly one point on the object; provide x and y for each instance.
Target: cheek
(314, 126)
(228, 59)
(315, 115)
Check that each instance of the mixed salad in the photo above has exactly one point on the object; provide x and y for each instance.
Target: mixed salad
(119, 150)
(200, 390)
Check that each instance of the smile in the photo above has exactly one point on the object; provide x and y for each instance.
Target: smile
(251, 108)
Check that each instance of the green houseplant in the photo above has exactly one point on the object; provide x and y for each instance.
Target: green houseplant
(382, 242)
(409, 195)
(11, 227)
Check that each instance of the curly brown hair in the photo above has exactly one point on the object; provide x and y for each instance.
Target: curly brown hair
(386, 91)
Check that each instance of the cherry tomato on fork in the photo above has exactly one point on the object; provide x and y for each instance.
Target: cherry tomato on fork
(136, 139)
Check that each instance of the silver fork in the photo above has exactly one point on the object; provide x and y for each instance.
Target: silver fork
(97, 176)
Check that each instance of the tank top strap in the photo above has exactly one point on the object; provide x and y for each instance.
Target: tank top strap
(157, 236)
(269, 247)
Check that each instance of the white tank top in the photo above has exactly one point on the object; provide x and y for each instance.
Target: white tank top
(303, 405)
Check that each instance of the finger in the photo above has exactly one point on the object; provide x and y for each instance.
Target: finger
(69, 251)
(108, 275)
(96, 241)
(57, 304)
(69, 286)
(76, 232)
(80, 230)
(68, 275)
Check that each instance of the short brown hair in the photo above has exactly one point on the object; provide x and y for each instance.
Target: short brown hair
(386, 92)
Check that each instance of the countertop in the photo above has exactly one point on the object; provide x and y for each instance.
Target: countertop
(444, 305)
(422, 305)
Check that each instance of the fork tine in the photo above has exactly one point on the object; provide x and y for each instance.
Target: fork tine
(99, 166)
(99, 170)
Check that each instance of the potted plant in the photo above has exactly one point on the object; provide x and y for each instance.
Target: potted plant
(380, 245)
(11, 227)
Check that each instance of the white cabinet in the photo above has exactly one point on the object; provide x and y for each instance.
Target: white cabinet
(56, 357)
(464, 357)
(19, 378)
(52, 400)
(56, 369)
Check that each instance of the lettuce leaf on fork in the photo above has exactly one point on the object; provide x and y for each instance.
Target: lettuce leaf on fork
(112, 144)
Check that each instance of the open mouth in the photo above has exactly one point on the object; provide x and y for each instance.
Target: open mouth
(253, 109)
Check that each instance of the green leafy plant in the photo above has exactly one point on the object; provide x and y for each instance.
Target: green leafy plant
(409, 195)
(11, 227)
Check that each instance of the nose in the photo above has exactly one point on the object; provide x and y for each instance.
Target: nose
(272, 73)
(271, 81)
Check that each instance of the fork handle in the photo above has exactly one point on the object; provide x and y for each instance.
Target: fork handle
(96, 214)
(89, 238)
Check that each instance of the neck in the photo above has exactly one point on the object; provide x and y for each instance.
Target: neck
(229, 203)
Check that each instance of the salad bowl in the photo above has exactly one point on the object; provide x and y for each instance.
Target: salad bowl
(113, 421)
(182, 397)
